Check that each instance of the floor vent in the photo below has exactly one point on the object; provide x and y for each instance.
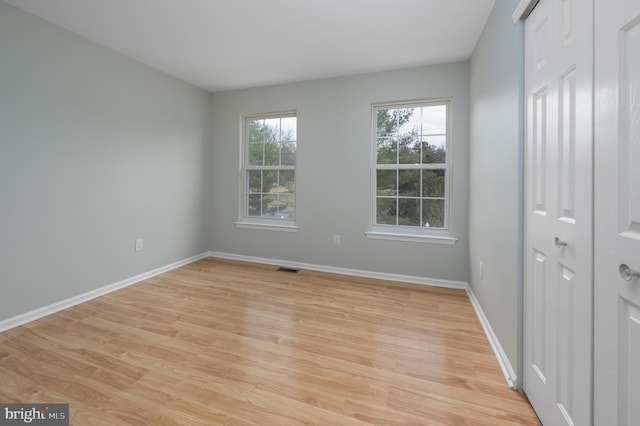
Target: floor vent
(291, 270)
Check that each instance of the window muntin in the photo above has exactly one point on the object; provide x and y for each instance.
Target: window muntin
(411, 167)
(269, 168)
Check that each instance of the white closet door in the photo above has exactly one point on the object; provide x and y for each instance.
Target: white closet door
(558, 211)
(617, 213)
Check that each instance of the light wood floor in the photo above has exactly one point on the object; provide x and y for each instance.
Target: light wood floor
(229, 343)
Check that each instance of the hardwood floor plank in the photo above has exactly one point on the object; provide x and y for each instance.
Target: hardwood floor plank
(229, 343)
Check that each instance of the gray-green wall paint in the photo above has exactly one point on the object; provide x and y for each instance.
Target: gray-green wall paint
(496, 175)
(96, 150)
(333, 174)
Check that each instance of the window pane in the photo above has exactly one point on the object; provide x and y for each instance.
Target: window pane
(433, 213)
(253, 208)
(272, 130)
(386, 123)
(409, 211)
(386, 211)
(409, 147)
(434, 119)
(288, 154)
(409, 121)
(409, 183)
(255, 180)
(433, 183)
(287, 182)
(386, 182)
(387, 150)
(269, 180)
(286, 206)
(256, 130)
(271, 154)
(434, 149)
(256, 154)
(289, 129)
(269, 205)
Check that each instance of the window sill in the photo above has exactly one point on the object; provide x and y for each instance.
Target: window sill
(267, 226)
(416, 238)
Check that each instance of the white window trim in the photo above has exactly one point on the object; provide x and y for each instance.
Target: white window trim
(412, 237)
(253, 222)
(267, 226)
(410, 233)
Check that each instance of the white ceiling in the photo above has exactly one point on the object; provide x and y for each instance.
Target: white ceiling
(229, 44)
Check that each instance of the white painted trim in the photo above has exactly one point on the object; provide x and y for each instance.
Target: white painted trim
(507, 370)
(84, 297)
(267, 226)
(343, 271)
(415, 238)
(523, 9)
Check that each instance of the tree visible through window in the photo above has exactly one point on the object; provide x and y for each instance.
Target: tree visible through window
(269, 167)
(411, 165)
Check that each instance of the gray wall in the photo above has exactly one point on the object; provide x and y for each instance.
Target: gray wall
(333, 176)
(496, 175)
(96, 150)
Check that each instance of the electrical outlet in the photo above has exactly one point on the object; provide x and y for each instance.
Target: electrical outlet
(481, 270)
(139, 244)
(336, 239)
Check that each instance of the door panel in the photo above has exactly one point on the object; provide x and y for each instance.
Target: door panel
(539, 149)
(629, 366)
(567, 20)
(567, 146)
(630, 129)
(617, 212)
(539, 322)
(566, 397)
(558, 211)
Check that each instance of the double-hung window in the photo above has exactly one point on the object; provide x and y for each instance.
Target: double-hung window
(269, 171)
(411, 171)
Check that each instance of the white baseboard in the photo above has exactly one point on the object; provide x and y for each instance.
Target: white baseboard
(501, 356)
(343, 271)
(507, 370)
(75, 300)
